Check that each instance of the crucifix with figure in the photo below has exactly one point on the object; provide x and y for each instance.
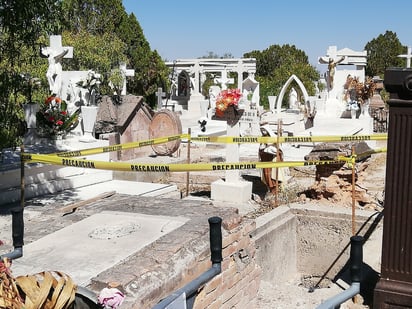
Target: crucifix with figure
(55, 54)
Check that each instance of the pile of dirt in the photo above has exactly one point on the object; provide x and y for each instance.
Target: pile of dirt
(363, 186)
(303, 187)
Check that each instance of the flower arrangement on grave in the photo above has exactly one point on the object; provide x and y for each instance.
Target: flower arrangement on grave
(357, 93)
(227, 98)
(91, 82)
(53, 118)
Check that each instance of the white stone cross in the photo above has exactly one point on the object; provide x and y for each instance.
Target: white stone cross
(224, 80)
(56, 45)
(55, 53)
(160, 94)
(125, 73)
(408, 57)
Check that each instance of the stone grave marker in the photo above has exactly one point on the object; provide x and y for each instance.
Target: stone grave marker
(249, 122)
(183, 86)
(224, 80)
(124, 123)
(92, 245)
(233, 188)
(126, 73)
(160, 95)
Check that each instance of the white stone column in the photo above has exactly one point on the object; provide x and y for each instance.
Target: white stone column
(233, 188)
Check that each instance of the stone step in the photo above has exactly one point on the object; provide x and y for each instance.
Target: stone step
(50, 182)
(41, 179)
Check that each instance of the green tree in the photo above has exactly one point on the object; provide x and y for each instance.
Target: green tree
(150, 70)
(22, 23)
(276, 64)
(98, 52)
(383, 52)
(107, 22)
(213, 55)
(94, 52)
(95, 17)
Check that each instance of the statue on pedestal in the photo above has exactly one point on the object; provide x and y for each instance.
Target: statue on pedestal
(331, 68)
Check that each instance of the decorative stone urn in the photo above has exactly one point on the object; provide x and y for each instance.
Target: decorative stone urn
(30, 111)
(89, 114)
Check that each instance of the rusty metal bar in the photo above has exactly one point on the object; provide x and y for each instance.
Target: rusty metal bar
(189, 131)
(277, 160)
(353, 162)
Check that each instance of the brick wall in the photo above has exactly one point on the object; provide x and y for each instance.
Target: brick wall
(166, 265)
(238, 284)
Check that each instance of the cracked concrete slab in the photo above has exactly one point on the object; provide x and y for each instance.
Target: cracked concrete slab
(92, 245)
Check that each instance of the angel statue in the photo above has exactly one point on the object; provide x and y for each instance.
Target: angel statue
(331, 68)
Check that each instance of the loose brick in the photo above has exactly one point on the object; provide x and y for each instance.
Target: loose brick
(249, 227)
(232, 222)
(213, 284)
(215, 305)
(229, 250)
(232, 237)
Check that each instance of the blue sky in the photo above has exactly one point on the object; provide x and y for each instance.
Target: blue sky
(191, 28)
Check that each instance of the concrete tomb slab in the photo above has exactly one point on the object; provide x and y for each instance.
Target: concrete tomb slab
(90, 246)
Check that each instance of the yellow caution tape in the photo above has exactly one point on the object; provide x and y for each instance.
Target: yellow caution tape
(186, 167)
(143, 167)
(222, 140)
(289, 139)
(352, 158)
(367, 153)
(119, 147)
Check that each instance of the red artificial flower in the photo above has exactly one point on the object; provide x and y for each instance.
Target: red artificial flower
(227, 98)
(54, 118)
(49, 100)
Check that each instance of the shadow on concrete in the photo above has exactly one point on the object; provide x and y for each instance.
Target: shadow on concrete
(60, 198)
(258, 187)
(369, 276)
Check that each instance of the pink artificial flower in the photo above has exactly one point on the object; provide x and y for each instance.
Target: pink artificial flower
(59, 122)
(111, 298)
